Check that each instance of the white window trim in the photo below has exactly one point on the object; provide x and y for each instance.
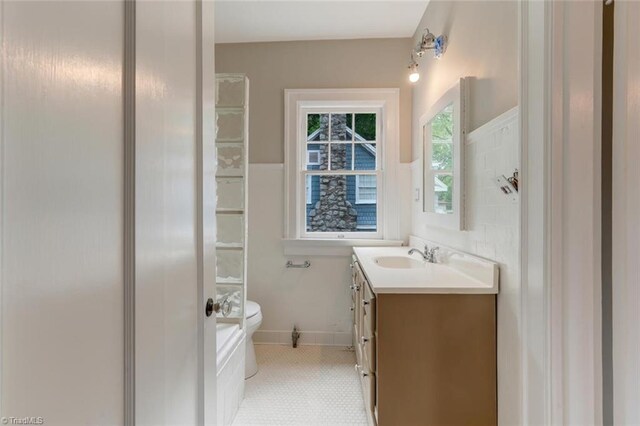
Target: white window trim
(359, 200)
(388, 152)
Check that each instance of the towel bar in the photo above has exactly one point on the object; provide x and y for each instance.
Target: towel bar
(306, 264)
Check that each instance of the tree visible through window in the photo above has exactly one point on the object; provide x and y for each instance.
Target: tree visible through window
(341, 172)
(442, 160)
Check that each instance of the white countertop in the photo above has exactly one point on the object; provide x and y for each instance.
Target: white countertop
(459, 273)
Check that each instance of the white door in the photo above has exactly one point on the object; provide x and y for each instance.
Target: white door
(62, 203)
(175, 370)
(63, 210)
(626, 215)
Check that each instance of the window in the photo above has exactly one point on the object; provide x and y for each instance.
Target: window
(337, 161)
(443, 142)
(341, 171)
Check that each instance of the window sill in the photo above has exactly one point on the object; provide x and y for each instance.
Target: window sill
(331, 247)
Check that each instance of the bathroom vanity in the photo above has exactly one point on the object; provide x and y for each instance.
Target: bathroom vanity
(425, 337)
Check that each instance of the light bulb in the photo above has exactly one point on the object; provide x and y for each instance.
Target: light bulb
(414, 76)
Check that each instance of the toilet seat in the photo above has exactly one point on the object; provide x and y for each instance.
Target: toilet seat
(251, 309)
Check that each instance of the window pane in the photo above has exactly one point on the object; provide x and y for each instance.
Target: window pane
(443, 194)
(334, 207)
(317, 127)
(312, 190)
(442, 156)
(442, 140)
(341, 156)
(365, 127)
(341, 127)
(317, 156)
(365, 154)
(442, 125)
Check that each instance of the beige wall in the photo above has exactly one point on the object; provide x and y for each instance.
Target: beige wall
(273, 67)
(483, 39)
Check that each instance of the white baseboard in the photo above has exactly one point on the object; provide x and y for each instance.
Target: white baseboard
(318, 338)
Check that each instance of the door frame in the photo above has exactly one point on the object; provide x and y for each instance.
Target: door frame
(625, 226)
(206, 206)
(560, 298)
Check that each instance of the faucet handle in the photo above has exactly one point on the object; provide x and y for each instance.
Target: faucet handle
(426, 248)
(432, 254)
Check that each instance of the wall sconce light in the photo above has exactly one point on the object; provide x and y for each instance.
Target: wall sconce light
(427, 42)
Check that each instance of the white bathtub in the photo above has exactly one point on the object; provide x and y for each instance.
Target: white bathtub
(230, 350)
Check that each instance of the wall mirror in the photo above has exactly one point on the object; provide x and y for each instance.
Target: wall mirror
(443, 159)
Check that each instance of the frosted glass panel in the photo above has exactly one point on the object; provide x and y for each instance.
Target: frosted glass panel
(230, 194)
(233, 294)
(229, 266)
(230, 91)
(230, 160)
(230, 230)
(230, 125)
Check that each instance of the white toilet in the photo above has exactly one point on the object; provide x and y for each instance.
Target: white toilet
(254, 319)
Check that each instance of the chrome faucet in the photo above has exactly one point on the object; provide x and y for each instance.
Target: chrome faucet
(429, 255)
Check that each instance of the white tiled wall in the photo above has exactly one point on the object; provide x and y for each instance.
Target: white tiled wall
(492, 224)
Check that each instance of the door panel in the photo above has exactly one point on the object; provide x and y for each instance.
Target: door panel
(167, 293)
(62, 210)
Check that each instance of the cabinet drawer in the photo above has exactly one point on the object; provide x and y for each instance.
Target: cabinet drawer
(368, 382)
(368, 306)
(368, 350)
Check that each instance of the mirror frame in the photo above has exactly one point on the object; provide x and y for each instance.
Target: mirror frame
(456, 97)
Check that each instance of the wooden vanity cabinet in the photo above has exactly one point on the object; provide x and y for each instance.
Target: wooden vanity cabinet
(425, 359)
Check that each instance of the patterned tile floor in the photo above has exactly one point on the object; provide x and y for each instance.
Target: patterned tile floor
(309, 385)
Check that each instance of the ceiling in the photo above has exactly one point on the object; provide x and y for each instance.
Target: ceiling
(241, 21)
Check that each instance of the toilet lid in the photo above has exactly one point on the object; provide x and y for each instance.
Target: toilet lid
(251, 308)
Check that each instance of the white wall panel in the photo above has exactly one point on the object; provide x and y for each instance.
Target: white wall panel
(62, 208)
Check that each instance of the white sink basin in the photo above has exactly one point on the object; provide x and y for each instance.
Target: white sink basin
(398, 262)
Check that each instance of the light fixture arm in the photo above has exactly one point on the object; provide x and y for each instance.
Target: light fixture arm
(427, 42)
(430, 42)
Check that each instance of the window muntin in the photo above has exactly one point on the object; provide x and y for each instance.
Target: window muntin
(336, 205)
